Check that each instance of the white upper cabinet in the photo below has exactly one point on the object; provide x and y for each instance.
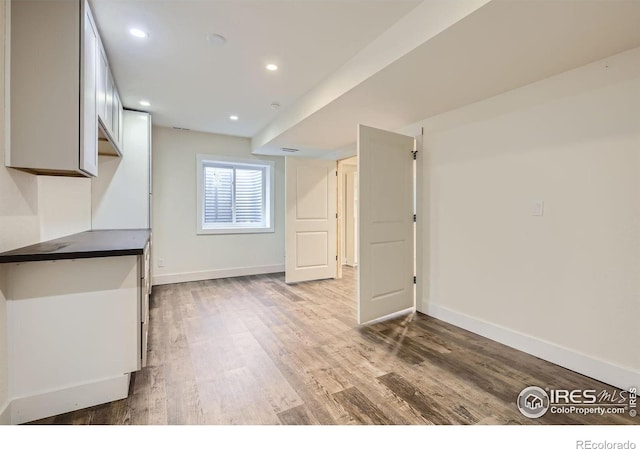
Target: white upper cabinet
(109, 109)
(52, 96)
(60, 85)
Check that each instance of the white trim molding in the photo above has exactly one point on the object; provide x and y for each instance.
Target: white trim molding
(55, 402)
(176, 278)
(609, 373)
(268, 201)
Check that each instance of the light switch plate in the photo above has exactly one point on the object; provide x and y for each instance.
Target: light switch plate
(538, 209)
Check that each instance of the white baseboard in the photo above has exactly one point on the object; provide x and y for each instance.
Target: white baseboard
(52, 403)
(176, 278)
(5, 414)
(618, 376)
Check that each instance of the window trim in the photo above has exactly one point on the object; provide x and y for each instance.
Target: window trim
(203, 160)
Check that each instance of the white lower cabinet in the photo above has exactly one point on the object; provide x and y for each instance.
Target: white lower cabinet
(145, 292)
(77, 333)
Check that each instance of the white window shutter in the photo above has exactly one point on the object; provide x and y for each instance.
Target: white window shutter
(218, 195)
(234, 197)
(249, 196)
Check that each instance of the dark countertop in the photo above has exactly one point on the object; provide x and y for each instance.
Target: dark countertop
(108, 243)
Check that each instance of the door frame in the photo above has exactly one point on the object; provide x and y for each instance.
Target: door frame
(341, 191)
(422, 225)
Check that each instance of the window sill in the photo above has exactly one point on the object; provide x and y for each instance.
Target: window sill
(210, 231)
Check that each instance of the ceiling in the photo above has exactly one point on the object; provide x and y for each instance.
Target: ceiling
(193, 84)
(383, 63)
(501, 45)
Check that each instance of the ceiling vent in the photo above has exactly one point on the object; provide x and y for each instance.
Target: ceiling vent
(289, 150)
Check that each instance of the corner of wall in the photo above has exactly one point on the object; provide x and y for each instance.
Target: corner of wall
(5, 414)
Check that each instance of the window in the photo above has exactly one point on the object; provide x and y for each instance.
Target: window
(234, 196)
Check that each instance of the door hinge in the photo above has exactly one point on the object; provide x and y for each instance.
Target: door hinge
(415, 154)
(336, 172)
(415, 279)
(414, 218)
(336, 257)
(336, 215)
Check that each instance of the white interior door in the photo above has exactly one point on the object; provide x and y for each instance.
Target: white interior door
(386, 249)
(311, 222)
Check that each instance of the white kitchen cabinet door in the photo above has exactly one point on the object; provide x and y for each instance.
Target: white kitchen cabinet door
(52, 93)
(110, 110)
(109, 103)
(117, 119)
(89, 124)
(103, 67)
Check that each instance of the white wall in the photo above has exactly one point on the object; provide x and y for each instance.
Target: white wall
(566, 285)
(32, 209)
(120, 194)
(188, 256)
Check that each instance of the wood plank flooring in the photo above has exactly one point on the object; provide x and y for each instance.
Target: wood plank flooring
(254, 350)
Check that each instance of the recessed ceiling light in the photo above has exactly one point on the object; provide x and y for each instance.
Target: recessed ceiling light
(137, 32)
(145, 103)
(233, 117)
(272, 67)
(216, 39)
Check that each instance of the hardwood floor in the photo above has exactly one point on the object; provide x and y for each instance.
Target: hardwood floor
(254, 350)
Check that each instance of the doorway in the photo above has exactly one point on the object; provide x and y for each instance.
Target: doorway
(348, 226)
(375, 230)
